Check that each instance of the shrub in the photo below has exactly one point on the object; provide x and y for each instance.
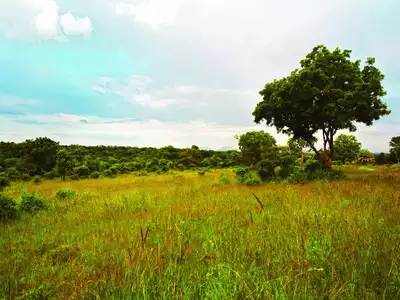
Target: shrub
(65, 194)
(8, 209)
(13, 174)
(95, 175)
(50, 175)
(31, 203)
(298, 176)
(37, 179)
(266, 169)
(223, 179)
(245, 175)
(312, 166)
(251, 179)
(4, 181)
(74, 177)
(25, 177)
(82, 171)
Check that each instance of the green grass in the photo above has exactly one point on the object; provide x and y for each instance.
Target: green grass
(182, 237)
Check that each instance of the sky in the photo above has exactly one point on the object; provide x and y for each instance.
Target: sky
(174, 72)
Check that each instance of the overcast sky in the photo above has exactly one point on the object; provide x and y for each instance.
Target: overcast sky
(174, 72)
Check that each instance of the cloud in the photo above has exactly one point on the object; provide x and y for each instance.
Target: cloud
(72, 25)
(151, 12)
(93, 130)
(11, 101)
(40, 19)
(183, 102)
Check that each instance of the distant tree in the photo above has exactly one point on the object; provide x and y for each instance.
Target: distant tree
(253, 143)
(395, 147)
(41, 153)
(328, 93)
(381, 159)
(64, 163)
(365, 157)
(347, 148)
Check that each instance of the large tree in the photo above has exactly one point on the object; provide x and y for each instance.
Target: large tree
(327, 93)
(394, 145)
(347, 148)
(253, 143)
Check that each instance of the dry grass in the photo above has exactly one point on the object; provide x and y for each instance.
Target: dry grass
(160, 237)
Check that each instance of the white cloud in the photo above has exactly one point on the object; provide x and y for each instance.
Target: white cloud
(40, 19)
(92, 130)
(151, 12)
(72, 25)
(12, 101)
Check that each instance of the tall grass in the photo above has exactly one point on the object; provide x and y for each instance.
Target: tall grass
(162, 237)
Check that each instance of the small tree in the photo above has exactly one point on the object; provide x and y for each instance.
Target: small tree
(347, 148)
(365, 157)
(253, 143)
(328, 93)
(395, 147)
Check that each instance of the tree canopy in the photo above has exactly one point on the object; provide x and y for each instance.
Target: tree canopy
(329, 92)
(253, 143)
(347, 148)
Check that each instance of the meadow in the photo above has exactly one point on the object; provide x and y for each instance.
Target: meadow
(180, 236)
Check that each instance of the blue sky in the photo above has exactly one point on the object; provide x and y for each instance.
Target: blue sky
(161, 72)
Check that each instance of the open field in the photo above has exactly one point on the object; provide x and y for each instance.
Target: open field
(171, 237)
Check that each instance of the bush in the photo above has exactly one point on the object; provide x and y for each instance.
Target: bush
(312, 166)
(37, 179)
(50, 175)
(65, 194)
(8, 209)
(245, 175)
(82, 171)
(4, 181)
(94, 175)
(74, 177)
(223, 179)
(31, 203)
(25, 177)
(298, 176)
(13, 174)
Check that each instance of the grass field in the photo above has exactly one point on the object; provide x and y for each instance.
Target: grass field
(171, 237)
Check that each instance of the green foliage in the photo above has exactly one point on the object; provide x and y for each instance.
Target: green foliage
(394, 145)
(365, 157)
(253, 143)
(347, 148)
(31, 203)
(314, 170)
(222, 180)
(4, 181)
(329, 92)
(277, 163)
(65, 194)
(13, 173)
(82, 171)
(74, 177)
(94, 175)
(37, 179)
(395, 166)
(245, 175)
(381, 159)
(8, 209)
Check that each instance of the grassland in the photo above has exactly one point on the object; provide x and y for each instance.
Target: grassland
(172, 237)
